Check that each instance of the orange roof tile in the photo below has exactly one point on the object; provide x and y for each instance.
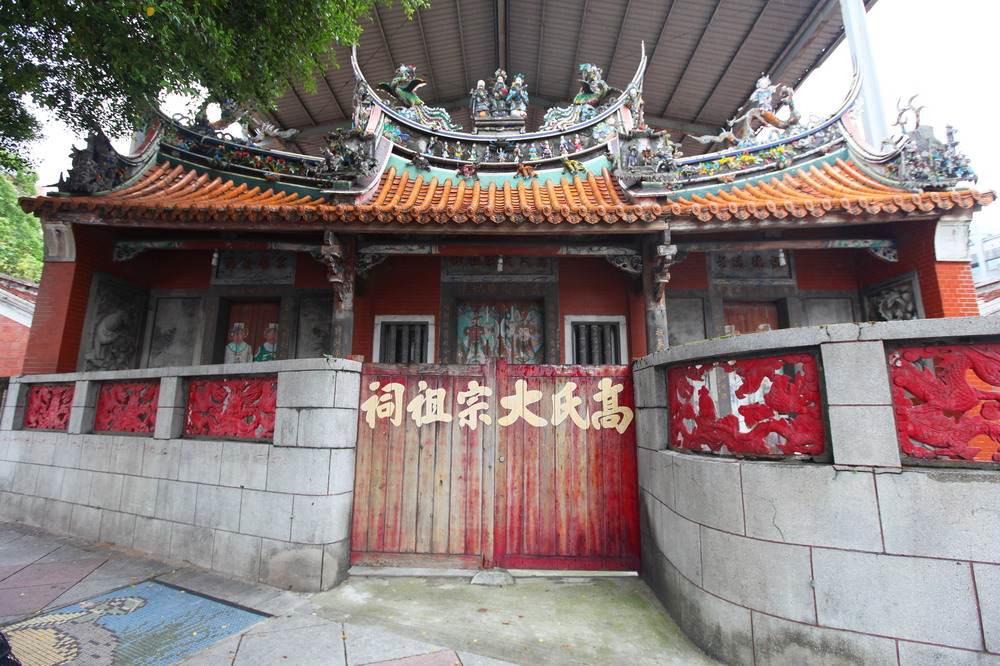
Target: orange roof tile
(179, 196)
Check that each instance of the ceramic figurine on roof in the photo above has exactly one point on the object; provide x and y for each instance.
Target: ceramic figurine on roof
(500, 89)
(404, 85)
(647, 155)
(594, 92)
(348, 155)
(403, 89)
(362, 105)
(96, 168)
(479, 100)
(762, 113)
(926, 163)
(517, 98)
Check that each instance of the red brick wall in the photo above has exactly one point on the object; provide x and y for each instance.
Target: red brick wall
(178, 269)
(692, 273)
(15, 343)
(946, 287)
(592, 286)
(399, 286)
(826, 269)
(310, 273)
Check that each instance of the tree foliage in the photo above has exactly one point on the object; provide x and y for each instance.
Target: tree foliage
(20, 232)
(104, 63)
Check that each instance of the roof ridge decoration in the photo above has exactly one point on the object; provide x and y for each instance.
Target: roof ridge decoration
(403, 89)
(99, 168)
(594, 105)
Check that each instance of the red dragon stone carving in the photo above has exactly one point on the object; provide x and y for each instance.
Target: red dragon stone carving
(789, 408)
(49, 406)
(127, 407)
(242, 408)
(947, 401)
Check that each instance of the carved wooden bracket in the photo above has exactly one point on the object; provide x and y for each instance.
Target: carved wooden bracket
(339, 258)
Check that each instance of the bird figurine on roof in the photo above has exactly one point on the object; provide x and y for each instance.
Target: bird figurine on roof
(403, 86)
(593, 88)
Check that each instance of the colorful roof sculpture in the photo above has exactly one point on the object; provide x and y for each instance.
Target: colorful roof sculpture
(593, 165)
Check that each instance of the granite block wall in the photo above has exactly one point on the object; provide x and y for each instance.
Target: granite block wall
(861, 559)
(276, 512)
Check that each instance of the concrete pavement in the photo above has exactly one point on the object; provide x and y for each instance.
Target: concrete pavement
(406, 620)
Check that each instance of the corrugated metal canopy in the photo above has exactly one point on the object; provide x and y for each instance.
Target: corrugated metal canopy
(704, 56)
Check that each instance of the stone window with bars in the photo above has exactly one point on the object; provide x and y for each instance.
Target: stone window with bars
(404, 341)
(596, 343)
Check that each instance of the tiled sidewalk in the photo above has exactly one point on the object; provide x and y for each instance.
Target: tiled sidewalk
(42, 571)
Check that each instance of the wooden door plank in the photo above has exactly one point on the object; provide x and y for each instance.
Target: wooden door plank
(492, 483)
(546, 492)
(360, 521)
(425, 485)
(442, 447)
(394, 475)
(410, 482)
(380, 449)
(563, 465)
(578, 489)
(612, 491)
(461, 440)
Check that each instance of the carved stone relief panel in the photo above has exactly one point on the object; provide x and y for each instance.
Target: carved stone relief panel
(176, 332)
(314, 329)
(113, 325)
(897, 299)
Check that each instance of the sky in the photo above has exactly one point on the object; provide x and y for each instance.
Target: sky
(944, 53)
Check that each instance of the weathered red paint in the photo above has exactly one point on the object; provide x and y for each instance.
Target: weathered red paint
(439, 494)
(127, 407)
(241, 408)
(570, 494)
(48, 406)
(789, 408)
(947, 401)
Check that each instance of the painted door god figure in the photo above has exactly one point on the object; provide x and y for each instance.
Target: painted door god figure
(238, 351)
(269, 350)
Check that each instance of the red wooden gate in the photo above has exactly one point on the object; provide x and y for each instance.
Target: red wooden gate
(520, 466)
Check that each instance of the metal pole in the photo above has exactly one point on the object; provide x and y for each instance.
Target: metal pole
(876, 129)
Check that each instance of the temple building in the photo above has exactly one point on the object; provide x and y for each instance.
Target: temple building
(591, 239)
(499, 296)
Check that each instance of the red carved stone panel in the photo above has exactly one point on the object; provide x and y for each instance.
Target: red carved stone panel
(947, 401)
(774, 408)
(48, 406)
(229, 408)
(127, 407)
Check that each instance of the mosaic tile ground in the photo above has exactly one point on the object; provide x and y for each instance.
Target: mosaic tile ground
(147, 623)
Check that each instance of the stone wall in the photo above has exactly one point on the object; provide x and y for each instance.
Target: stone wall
(854, 560)
(273, 511)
